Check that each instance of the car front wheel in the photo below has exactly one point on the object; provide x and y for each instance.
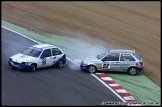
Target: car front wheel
(133, 71)
(33, 67)
(91, 69)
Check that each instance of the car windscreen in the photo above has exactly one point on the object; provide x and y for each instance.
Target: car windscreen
(32, 52)
(137, 56)
(101, 55)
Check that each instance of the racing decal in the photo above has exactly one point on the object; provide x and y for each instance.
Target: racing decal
(54, 61)
(98, 64)
(115, 66)
(43, 61)
(106, 66)
(60, 58)
(99, 67)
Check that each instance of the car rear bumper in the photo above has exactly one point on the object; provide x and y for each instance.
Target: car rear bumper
(19, 65)
(140, 69)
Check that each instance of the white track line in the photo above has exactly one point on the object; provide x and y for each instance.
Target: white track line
(22, 35)
(108, 87)
(75, 63)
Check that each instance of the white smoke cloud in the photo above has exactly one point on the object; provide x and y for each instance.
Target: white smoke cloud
(85, 46)
(74, 66)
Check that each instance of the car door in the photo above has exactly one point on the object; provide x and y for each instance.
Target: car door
(126, 60)
(57, 54)
(111, 62)
(46, 58)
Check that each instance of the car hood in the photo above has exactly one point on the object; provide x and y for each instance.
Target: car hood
(22, 58)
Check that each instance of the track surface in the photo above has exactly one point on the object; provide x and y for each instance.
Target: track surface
(48, 86)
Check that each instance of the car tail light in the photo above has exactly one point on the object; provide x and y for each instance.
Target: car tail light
(141, 63)
(137, 64)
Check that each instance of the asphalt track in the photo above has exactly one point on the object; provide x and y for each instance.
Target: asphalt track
(48, 86)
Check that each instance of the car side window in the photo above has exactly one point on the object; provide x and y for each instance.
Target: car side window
(111, 57)
(126, 57)
(56, 51)
(46, 53)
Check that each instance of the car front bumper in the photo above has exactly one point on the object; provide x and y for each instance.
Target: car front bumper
(19, 65)
(83, 66)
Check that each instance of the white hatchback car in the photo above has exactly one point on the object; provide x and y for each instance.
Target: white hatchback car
(114, 60)
(38, 56)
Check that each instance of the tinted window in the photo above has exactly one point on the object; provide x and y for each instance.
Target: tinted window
(137, 56)
(32, 52)
(112, 57)
(56, 51)
(126, 57)
(46, 53)
(101, 55)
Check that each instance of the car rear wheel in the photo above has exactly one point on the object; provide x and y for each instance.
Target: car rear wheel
(60, 64)
(91, 69)
(133, 71)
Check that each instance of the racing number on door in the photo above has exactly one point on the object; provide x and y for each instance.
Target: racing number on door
(106, 66)
(43, 61)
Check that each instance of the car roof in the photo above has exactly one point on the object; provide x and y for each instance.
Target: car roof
(121, 51)
(44, 46)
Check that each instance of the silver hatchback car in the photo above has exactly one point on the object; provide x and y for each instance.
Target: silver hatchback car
(114, 60)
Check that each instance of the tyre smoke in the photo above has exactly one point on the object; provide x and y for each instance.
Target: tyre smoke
(85, 46)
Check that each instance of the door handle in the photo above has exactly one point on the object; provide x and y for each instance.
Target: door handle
(54, 57)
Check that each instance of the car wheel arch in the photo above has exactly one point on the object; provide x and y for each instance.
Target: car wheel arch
(92, 65)
(63, 62)
(34, 65)
(132, 67)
